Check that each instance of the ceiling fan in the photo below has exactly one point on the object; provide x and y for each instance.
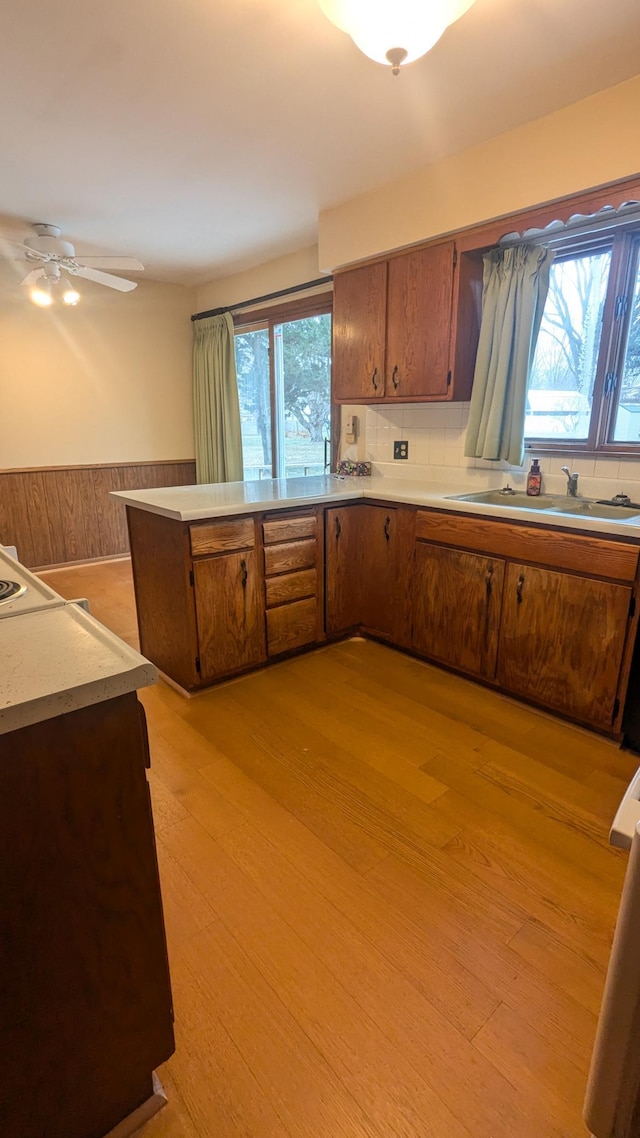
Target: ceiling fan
(56, 257)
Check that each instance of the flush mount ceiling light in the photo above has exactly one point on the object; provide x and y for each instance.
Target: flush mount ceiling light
(394, 31)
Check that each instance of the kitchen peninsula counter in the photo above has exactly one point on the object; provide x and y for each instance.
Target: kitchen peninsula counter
(229, 499)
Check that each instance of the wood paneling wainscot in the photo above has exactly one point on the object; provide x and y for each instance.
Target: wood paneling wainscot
(56, 515)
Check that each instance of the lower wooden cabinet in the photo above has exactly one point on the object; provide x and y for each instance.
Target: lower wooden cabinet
(378, 584)
(562, 640)
(343, 556)
(539, 613)
(229, 613)
(86, 996)
(294, 579)
(366, 574)
(558, 638)
(292, 626)
(456, 607)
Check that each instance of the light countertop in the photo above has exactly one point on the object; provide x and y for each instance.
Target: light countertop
(197, 503)
(222, 499)
(58, 660)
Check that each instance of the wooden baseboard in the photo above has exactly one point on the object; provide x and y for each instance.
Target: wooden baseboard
(142, 1114)
(79, 564)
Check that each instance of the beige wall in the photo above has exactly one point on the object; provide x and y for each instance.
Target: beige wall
(108, 381)
(587, 144)
(283, 272)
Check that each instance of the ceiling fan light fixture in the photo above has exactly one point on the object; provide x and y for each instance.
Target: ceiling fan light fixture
(70, 296)
(394, 32)
(40, 294)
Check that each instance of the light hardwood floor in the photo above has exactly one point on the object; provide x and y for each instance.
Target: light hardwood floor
(388, 893)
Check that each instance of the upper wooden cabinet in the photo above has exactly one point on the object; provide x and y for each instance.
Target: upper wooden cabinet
(359, 333)
(419, 298)
(392, 329)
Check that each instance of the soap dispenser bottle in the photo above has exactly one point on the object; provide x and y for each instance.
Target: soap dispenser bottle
(534, 479)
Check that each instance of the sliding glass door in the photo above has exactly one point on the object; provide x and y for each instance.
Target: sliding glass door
(284, 383)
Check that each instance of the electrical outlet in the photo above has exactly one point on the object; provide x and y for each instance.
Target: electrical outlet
(401, 449)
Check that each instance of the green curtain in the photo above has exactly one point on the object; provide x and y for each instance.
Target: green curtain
(514, 289)
(215, 401)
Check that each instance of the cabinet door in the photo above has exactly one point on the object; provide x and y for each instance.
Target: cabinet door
(420, 291)
(342, 552)
(229, 611)
(457, 607)
(359, 313)
(562, 639)
(377, 569)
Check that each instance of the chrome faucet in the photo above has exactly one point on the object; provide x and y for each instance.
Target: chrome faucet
(572, 481)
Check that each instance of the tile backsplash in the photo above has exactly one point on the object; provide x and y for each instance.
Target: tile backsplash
(436, 433)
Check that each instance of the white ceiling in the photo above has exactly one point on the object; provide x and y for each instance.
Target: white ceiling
(204, 136)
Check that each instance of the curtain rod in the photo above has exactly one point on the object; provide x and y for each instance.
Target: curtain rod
(261, 299)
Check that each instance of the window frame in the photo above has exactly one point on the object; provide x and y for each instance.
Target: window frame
(624, 241)
(267, 317)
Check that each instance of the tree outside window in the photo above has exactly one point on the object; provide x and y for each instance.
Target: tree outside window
(284, 384)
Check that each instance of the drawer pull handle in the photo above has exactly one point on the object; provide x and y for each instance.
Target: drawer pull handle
(338, 528)
(373, 379)
(244, 574)
(519, 588)
(386, 529)
(394, 380)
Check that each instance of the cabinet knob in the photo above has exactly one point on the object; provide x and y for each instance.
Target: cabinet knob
(374, 379)
(387, 533)
(519, 588)
(243, 573)
(338, 527)
(394, 378)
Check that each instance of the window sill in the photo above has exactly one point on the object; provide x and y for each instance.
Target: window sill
(631, 450)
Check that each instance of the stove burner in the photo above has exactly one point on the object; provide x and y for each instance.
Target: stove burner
(11, 590)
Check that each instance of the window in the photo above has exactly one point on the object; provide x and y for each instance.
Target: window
(283, 362)
(584, 391)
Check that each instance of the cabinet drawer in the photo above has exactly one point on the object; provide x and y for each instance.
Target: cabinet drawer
(590, 556)
(291, 587)
(289, 529)
(292, 626)
(293, 555)
(218, 537)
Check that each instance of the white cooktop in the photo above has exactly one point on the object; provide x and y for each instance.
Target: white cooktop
(36, 594)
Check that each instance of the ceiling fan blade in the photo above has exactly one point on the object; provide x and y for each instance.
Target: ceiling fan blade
(105, 279)
(32, 277)
(109, 263)
(9, 248)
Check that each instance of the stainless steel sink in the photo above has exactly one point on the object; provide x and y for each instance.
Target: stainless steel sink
(591, 509)
(552, 503)
(512, 498)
